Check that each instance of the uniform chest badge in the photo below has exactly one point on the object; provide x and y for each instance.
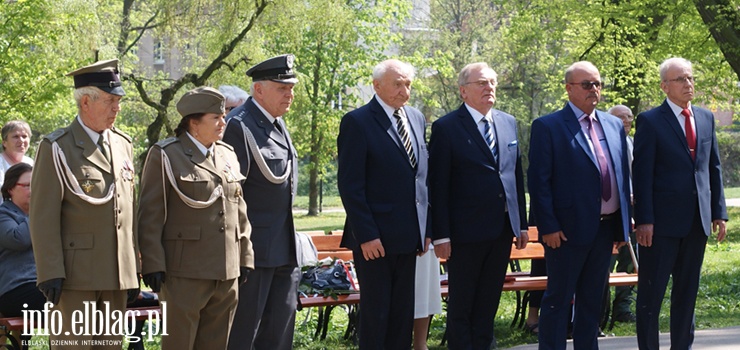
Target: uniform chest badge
(87, 186)
(238, 192)
(229, 175)
(127, 172)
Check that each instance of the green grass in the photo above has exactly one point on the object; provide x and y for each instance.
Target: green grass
(324, 221)
(301, 202)
(732, 192)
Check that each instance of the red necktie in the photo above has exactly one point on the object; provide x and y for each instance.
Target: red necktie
(690, 135)
(606, 181)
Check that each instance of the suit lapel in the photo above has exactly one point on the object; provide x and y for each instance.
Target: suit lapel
(472, 129)
(88, 148)
(703, 129)
(672, 120)
(572, 124)
(390, 129)
(612, 139)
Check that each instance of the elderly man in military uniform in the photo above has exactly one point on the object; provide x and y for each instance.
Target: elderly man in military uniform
(265, 316)
(82, 225)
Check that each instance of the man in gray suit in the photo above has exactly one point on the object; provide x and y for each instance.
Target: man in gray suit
(265, 316)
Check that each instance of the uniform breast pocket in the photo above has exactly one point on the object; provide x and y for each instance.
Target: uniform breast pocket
(194, 184)
(91, 181)
(275, 158)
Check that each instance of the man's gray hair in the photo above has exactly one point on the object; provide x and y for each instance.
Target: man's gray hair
(91, 91)
(233, 94)
(462, 78)
(672, 62)
(382, 67)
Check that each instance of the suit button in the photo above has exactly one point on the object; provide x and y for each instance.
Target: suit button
(71, 244)
(221, 229)
(179, 235)
(500, 195)
(221, 213)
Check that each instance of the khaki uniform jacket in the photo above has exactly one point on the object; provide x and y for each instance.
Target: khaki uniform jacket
(93, 247)
(208, 243)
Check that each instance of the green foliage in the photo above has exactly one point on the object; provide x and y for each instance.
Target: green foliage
(729, 151)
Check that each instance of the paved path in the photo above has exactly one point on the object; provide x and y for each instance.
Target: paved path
(709, 339)
(732, 202)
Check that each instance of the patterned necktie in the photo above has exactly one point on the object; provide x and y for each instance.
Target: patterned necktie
(490, 140)
(606, 181)
(403, 133)
(103, 148)
(690, 135)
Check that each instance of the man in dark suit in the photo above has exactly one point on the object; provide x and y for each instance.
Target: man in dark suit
(265, 316)
(678, 197)
(579, 188)
(382, 181)
(477, 188)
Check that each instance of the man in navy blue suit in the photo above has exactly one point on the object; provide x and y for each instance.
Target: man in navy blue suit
(679, 201)
(579, 187)
(477, 188)
(382, 180)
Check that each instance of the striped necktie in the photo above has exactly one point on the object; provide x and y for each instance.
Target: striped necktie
(490, 140)
(404, 134)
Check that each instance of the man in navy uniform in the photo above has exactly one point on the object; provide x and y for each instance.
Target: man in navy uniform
(265, 316)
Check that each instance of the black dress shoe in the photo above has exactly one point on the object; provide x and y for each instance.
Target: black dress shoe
(626, 317)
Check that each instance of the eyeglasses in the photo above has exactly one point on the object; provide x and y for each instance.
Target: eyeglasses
(23, 185)
(483, 83)
(682, 80)
(586, 85)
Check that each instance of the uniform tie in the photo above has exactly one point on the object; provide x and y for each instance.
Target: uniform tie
(490, 140)
(103, 148)
(403, 133)
(690, 135)
(606, 181)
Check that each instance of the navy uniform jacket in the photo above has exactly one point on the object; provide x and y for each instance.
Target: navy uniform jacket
(269, 206)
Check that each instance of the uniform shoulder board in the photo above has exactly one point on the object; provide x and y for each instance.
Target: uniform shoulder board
(119, 132)
(240, 114)
(221, 143)
(58, 133)
(166, 142)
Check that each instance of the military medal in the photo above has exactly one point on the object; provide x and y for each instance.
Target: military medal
(87, 186)
(238, 192)
(127, 172)
(229, 175)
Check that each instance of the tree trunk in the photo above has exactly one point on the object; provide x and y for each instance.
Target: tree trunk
(723, 20)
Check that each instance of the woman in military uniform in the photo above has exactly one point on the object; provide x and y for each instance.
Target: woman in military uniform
(193, 227)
